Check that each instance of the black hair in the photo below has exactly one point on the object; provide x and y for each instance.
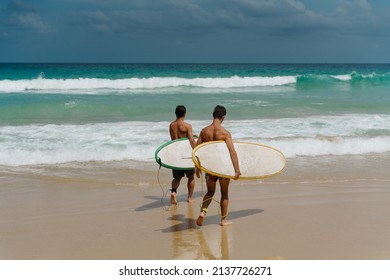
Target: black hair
(180, 111)
(219, 112)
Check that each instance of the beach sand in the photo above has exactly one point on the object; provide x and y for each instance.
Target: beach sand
(332, 208)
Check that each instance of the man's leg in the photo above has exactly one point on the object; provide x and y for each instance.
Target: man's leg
(224, 183)
(190, 186)
(206, 200)
(175, 185)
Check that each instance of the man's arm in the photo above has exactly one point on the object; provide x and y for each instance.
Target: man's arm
(191, 136)
(198, 142)
(233, 156)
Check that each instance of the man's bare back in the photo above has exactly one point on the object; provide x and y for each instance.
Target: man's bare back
(180, 129)
(214, 133)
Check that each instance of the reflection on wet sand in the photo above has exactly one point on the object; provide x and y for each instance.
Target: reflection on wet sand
(191, 242)
(211, 241)
(218, 249)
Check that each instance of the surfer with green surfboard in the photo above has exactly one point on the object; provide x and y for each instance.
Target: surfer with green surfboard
(181, 129)
(215, 132)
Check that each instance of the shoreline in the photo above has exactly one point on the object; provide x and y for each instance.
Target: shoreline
(332, 207)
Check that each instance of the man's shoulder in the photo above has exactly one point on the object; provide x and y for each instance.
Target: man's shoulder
(206, 129)
(187, 124)
(225, 131)
(223, 134)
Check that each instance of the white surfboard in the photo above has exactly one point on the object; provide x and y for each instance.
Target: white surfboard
(256, 161)
(175, 154)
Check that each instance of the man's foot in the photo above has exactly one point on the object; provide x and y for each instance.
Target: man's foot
(190, 200)
(200, 219)
(225, 222)
(173, 198)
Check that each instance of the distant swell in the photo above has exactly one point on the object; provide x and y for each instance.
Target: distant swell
(92, 85)
(353, 77)
(41, 84)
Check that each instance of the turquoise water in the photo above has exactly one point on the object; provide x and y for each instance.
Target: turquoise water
(51, 113)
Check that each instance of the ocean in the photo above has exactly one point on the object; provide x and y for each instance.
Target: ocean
(72, 113)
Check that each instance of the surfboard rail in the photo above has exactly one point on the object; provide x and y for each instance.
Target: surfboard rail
(175, 154)
(253, 159)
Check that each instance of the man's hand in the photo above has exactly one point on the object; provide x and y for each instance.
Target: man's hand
(237, 175)
(197, 172)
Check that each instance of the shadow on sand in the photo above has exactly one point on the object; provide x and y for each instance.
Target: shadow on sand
(160, 201)
(185, 223)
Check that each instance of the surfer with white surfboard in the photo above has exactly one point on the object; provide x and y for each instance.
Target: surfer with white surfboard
(218, 156)
(181, 129)
(215, 132)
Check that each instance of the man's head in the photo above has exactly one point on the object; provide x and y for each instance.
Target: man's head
(180, 111)
(219, 112)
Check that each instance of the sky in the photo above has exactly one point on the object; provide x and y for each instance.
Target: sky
(195, 31)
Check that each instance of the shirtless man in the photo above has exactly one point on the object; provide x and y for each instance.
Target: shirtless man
(215, 132)
(180, 129)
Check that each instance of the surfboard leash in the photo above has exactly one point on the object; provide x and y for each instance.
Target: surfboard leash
(164, 193)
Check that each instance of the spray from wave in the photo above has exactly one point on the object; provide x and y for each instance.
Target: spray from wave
(90, 84)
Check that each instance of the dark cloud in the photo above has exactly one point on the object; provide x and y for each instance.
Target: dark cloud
(21, 6)
(20, 15)
(261, 17)
(201, 29)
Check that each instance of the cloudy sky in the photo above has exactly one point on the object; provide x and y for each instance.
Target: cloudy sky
(195, 31)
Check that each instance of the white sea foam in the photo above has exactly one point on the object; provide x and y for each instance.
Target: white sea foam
(311, 136)
(346, 77)
(330, 146)
(350, 125)
(92, 84)
(50, 144)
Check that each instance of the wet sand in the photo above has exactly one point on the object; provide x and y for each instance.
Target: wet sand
(319, 208)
